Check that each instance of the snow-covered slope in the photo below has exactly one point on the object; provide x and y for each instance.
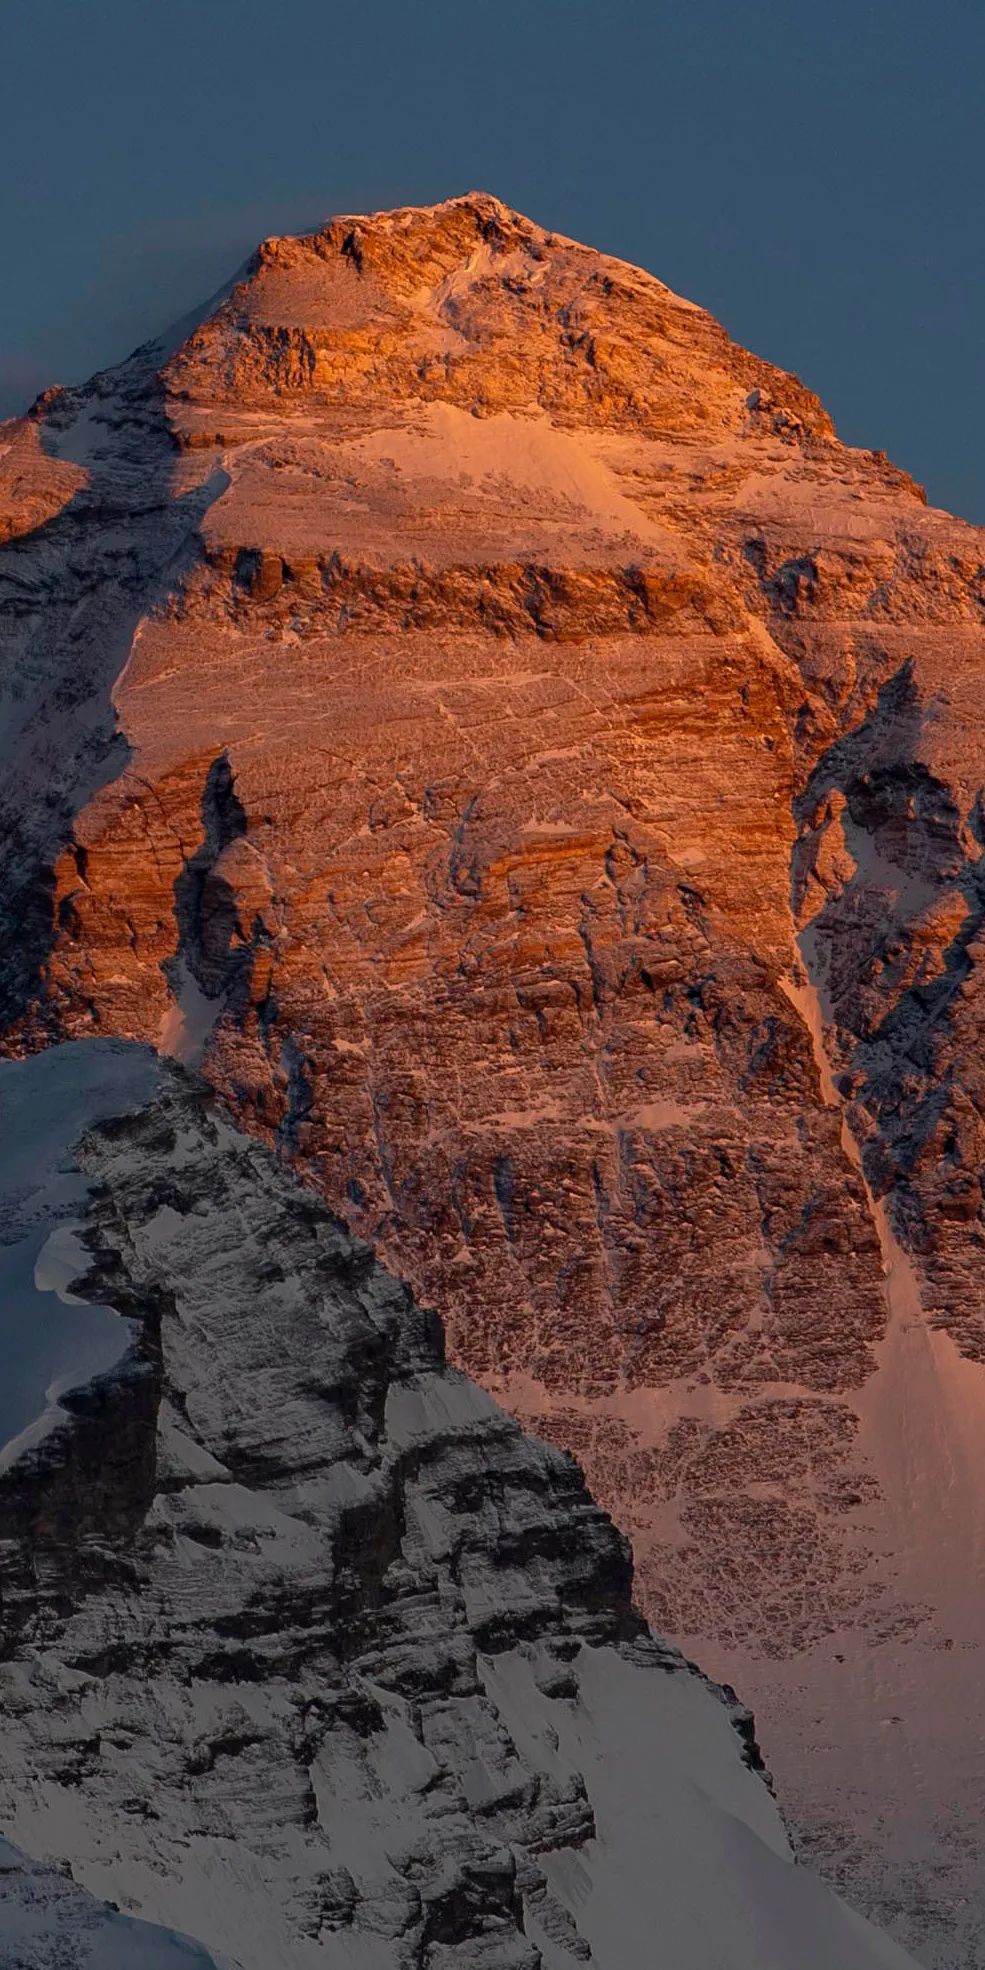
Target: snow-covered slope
(50, 1341)
(308, 1653)
(47, 1923)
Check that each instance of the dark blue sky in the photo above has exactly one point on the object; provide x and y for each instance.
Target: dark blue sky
(811, 170)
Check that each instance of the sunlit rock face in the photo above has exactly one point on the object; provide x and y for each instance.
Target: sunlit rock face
(489, 719)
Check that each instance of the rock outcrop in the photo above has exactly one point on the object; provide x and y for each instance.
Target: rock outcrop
(490, 717)
(338, 1667)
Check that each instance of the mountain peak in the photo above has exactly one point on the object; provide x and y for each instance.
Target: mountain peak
(451, 221)
(470, 303)
(431, 685)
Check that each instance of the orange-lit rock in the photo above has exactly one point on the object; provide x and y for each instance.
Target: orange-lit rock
(457, 673)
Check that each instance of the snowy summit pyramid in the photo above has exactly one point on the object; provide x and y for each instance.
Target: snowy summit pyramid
(486, 723)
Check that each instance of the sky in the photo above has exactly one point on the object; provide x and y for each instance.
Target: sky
(810, 170)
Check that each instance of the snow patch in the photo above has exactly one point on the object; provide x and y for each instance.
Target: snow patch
(52, 1340)
(688, 1846)
(527, 452)
(189, 1020)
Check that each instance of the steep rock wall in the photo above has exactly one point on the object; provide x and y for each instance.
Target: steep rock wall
(526, 648)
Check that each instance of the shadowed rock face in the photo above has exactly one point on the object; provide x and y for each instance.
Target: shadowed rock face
(513, 649)
(328, 1662)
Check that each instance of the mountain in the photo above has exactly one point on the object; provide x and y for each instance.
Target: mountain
(487, 721)
(307, 1653)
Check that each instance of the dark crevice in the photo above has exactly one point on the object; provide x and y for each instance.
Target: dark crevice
(211, 940)
(70, 603)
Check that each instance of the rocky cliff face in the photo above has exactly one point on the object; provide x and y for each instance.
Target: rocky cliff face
(491, 718)
(322, 1660)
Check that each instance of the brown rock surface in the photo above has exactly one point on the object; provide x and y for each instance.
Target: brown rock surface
(431, 679)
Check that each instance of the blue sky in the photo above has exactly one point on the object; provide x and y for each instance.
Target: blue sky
(814, 174)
